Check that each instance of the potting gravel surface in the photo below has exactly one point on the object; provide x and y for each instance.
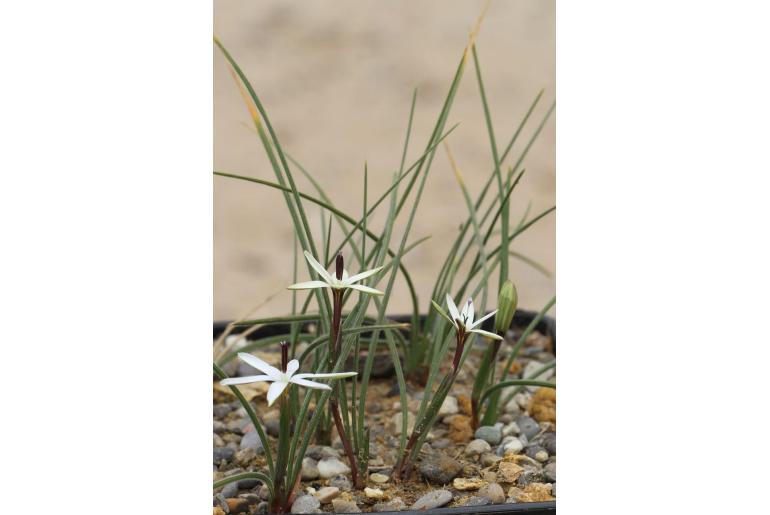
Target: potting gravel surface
(512, 461)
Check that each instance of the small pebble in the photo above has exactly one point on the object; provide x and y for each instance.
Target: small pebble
(244, 457)
(248, 484)
(488, 459)
(529, 427)
(220, 410)
(508, 472)
(378, 478)
(309, 469)
(343, 506)
(493, 492)
(513, 408)
(326, 494)
(223, 454)
(514, 446)
(395, 504)
(511, 429)
(477, 447)
(548, 440)
(330, 467)
(476, 501)
(522, 399)
(374, 493)
(441, 443)
(463, 484)
(221, 502)
(306, 504)
(448, 407)
(238, 505)
(550, 472)
(537, 452)
(433, 499)
(251, 441)
(398, 420)
(342, 483)
(230, 490)
(489, 434)
(439, 468)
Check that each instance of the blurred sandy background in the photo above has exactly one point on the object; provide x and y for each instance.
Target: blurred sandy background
(336, 79)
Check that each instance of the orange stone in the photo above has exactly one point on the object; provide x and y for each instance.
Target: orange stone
(533, 492)
(238, 505)
(464, 402)
(460, 429)
(542, 406)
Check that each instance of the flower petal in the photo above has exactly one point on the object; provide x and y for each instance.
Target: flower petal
(308, 285)
(487, 334)
(363, 275)
(260, 365)
(244, 380)
(480, 320)
(292, 367)
(275, 390)
(365, 289)
(338, 375)
(453, 312)
(310, 384)
(318, 267)
(468, 312)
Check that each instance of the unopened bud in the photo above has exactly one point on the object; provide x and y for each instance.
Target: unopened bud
(340, 266)
(506, 307)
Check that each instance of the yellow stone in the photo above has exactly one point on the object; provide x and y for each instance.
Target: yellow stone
(463, 484)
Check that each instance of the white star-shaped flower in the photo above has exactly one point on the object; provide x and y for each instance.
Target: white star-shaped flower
(463, 320)
(281, 380)
(330, 281)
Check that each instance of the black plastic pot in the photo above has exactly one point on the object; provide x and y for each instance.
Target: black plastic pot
(521, 319)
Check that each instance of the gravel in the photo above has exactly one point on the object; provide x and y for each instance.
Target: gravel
(326, 494)
(439, 468)
(476, 501)
(395, 504)
(433, 499)
(548, 441)
(343, 506)
(223, 454)
(493, 492)
(448, 407)
(251, 440)
(306, 504)
(230, 490)
(330, 467)
(490, 434)
(309, 469)
(477, 447)
(550, 472)
(529, 427)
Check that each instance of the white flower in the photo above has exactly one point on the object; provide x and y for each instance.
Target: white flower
(280, 379)
(463, 320)
(330, 281)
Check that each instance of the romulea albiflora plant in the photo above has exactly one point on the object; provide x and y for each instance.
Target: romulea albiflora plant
(349, 313)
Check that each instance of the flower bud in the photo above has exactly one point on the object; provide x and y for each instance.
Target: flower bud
(506, 307)
(340, 266)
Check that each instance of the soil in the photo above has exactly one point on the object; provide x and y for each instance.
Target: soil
(533, 476)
